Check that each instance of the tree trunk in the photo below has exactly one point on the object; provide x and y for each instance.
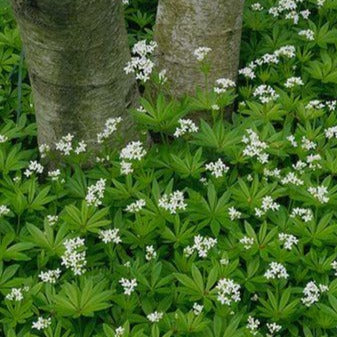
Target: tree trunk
(76, 51)
(184, 25)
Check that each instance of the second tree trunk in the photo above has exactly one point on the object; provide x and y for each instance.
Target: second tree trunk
(185, 25)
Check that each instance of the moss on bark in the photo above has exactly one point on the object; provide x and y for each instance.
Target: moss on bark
(76, 51)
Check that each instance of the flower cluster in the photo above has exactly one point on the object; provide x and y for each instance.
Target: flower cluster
(141, 63)
(255, 147)
(223, 84)
(109, 128)
(4, 210)
(173, 202)
(128, 285)
(228, 291)
(274, 58)
(201, 53)
(304, 213)
(267, 204)
(293, 81)
(265, 93)
(202, 245)
(288, 240)
(74, 257)
(136, 206)
(185, 126)
(41, 323)
(95, 193)
(218, 168)
(312, 292)
(34, 167)
(50, 276)
(276, 271)
(320, 193)
(110, 235)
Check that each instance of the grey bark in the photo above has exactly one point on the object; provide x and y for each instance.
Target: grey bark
(76, 51)
(184, 25)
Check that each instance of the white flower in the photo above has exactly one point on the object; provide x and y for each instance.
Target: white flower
(202, 245)
(197, 309)
(81, 147)
(110, 235)
(312, 160)
(292, 140)
(276, 173)
(128, 285)
(162, 76)
(331, 105)
(304, 213)
(151, 254)
(334, 266)
(34, 166)
(286, 51)
(218, 168)
(312, 293)
(155, 316)
(293, 81)
(44, 149)
(291, 178)
(267, 204)
(15, 295)
(276, 271)
(109, 128)
(308, 34)
(54, 175)
(253, 325)
(320, 3)
(133, 151)
(4, 210)
(41, 323)
(308, 144)
(140, 63)
(95, 193)
(273, 328)
(201, 52)
(173, 202)
(73, 257)
(247, 242)
(234, 214)
(136, 206)
(228, 291)
(331, 132)
(185, 126)
(299, 166)
(50, 276)
(319, 193)
(315, 104)
(265, 93)
(126, 167)
(247, 72)
(125, 2)
(255, 147)
(119, 332)
(288, 240)
(65, 144)
(257, 7)
(52, 219)
(223, 84)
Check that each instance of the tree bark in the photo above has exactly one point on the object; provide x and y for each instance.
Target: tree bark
(76, 51)
(184, 25)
